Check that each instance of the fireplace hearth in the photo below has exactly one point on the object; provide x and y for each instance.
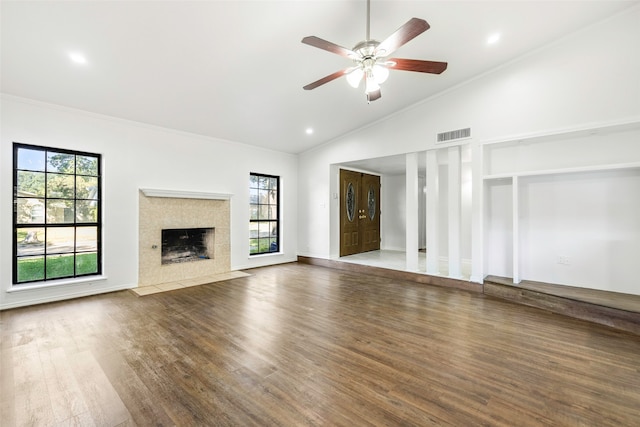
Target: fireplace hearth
(187, 245)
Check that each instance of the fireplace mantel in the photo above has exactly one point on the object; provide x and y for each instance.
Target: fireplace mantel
(182, 194)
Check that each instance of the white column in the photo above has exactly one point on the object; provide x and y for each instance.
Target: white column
(454, 212)
(516, 231)
(477, 214)
(412, 211)
(433, 196)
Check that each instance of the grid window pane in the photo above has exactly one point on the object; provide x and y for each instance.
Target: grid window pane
(60, 186)
(86, 187)
(31, 184)
(273, 225)
(87, 165)
(263, 212)
(263, 182)
(59, 266)
(29, 211)
(253, 230)
(264, 245)
(30, 269)
(56, 220)
(30, 241)
(264, 230)
(253, 196)
(87, 263)
(254, 246)
(86, 211)
(253, 212)
(86, 239)
(33, 160)
(264, 197)
(60, 211)
(61, 162)
(273, 211)
(60, 240)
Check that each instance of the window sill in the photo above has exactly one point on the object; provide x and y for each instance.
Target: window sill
(265, 255)
(56, 283)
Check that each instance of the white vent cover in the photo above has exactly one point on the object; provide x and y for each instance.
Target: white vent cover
(454, 134)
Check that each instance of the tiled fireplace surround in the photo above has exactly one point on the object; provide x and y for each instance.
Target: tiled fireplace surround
(162, 209)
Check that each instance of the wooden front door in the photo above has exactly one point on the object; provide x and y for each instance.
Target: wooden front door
(370, 222)
(359, 212)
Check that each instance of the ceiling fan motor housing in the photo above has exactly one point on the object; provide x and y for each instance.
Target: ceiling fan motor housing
(367, 58)
(367, 49)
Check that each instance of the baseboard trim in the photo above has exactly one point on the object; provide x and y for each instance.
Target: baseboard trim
(67, 296)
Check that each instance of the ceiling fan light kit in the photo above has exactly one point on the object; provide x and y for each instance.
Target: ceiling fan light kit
(354, 77)
(370, 58)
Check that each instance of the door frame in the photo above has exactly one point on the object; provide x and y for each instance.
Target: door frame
(334, 205)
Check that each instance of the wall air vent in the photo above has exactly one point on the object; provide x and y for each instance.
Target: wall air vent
(452, 135)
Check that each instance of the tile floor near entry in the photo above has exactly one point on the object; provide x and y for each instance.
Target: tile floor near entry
(171, 286)
(394, 260)
(397, 260)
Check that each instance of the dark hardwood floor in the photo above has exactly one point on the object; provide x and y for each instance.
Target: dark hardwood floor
(298, 345)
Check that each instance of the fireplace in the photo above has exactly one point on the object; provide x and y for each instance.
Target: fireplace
(187, 244)
(172, 210)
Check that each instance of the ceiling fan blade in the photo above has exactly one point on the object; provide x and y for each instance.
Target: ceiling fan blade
(372, 96)
(328, 46)
(413, 28)
(326, 79)
(433, 67)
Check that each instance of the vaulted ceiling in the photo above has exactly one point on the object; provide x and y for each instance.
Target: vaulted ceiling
(234, 70)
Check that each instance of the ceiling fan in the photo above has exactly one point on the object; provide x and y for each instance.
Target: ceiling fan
(370, 57)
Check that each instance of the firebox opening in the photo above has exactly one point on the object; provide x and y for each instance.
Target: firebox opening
(187, 244)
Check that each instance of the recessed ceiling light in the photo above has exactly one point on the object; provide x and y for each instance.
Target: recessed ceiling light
(309, 131)
(493, 38)
(77, 58)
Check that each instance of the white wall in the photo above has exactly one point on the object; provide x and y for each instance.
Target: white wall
(585, 80)
(393, 223)
(465, 205)
(393, 219)
(138, 156)
(592, 220)
(498, 229)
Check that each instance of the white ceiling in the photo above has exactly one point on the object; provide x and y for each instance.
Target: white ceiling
(235, 69)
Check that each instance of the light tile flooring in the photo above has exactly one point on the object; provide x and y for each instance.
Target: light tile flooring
(171, 286)
(397, 260)
(394, 260)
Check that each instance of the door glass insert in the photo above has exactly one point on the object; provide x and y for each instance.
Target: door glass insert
(351, 202)
(371, 202)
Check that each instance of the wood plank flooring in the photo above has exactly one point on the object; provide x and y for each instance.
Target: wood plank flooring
(302, 345)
